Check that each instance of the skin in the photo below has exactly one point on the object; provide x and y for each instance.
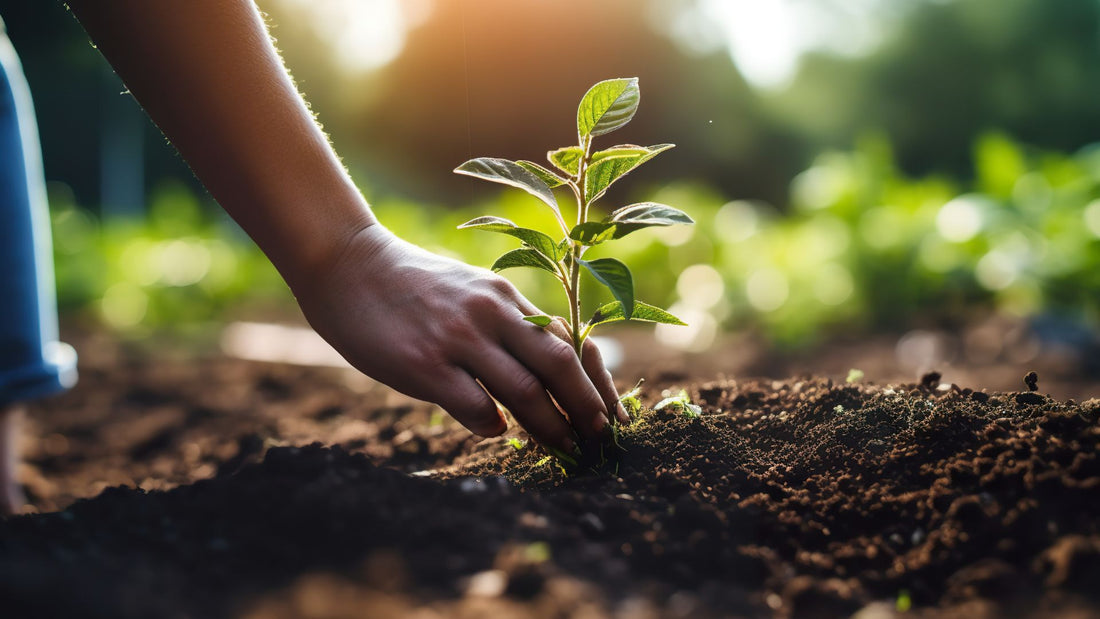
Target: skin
(430, 327)
(11, 495)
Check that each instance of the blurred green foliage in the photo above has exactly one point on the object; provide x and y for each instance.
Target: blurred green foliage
(180, 267)
(946, 72)
(862, 247)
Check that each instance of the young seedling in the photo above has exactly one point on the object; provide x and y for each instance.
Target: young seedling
(607, 106)
(630, 400)
(680, 404)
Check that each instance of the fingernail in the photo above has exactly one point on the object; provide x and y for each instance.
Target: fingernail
(603, 425)
(570, 446)
(620, 411)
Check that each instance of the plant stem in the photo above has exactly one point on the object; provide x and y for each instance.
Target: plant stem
(574, 289)
(575, 301)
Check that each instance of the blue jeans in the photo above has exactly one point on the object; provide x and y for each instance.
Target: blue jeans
(33, 363)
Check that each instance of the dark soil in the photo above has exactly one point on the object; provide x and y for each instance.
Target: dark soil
(802, 497)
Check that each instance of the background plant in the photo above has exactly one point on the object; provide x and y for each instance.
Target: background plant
(858, 246)
(607, 106)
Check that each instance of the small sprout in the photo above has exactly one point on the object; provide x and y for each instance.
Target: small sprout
(839, 408)
(516, 443)
(904, 602)
(564, 458)
(544, 461)
(537, 552)
(435, 419)
(854, 376)
(681, 405)
(630, 400)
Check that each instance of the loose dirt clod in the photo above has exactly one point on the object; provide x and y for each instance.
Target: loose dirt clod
(782, 499)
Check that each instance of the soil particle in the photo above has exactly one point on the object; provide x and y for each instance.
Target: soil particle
(799, 498)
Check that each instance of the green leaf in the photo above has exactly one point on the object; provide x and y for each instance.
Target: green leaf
(608, 105)
(552, 180)
(509, 173)
(541, 320)
(563, 249)
(592, 232)
(567, 159)
(614, 274)
(644, 312)
(620, 151)
(614, 164)
(533, 238)
(630, 400)
(644, 215)
(681, 404)
(524, 257)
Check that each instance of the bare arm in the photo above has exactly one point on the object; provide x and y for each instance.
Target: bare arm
(210, 78)
(431, 327)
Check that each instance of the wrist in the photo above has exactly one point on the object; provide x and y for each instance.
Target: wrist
(355, 246)
(305, 235)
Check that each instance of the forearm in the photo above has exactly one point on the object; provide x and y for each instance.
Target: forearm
(208, 75)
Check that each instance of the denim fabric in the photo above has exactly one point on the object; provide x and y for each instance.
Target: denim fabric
(33, 362)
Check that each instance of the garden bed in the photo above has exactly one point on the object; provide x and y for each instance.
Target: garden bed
(797, 497)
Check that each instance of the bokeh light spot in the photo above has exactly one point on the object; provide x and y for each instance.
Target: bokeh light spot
(1092, 217)
(697, 336)
(123, 305)
(737, 220)
(960, 219)
(996, 270)
(767, 289)
(700, 286)
(182, 263)
(817, 188)
(674, 236)
(833, 284)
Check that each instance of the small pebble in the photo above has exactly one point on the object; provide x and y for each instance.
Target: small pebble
(487, 584)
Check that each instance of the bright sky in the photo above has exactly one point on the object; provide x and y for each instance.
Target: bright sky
(766, 38)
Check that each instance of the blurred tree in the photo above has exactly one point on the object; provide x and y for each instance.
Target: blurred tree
(501, 78)
(953, 70)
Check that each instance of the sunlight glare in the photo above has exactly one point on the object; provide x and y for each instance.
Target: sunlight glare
(767, 39)
(364, 34)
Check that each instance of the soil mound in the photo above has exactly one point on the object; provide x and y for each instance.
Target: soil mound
(798, 498)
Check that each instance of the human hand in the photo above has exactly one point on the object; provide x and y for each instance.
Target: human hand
(11, 495)
(433, 328)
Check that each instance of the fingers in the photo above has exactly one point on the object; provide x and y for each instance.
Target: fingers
(553, 360)
(11, 495)
(592, 362)
(465, 400)
(523, 393)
